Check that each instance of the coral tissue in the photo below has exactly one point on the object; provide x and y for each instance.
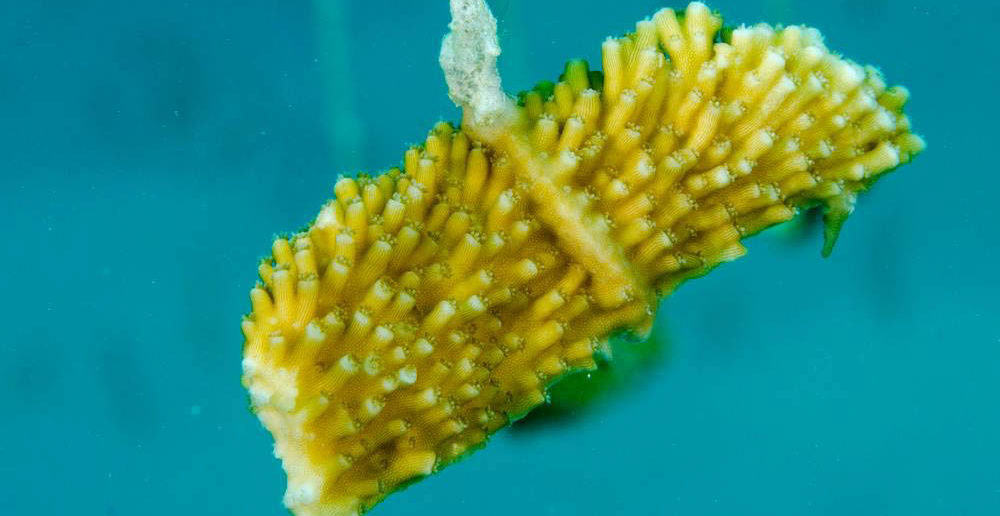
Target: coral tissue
(427, 307)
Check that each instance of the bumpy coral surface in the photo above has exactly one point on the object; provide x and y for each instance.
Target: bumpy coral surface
(427, 307)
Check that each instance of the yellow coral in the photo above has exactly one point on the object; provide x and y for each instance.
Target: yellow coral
(427, 307)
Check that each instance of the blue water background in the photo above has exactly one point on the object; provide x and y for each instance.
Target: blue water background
(149, 151)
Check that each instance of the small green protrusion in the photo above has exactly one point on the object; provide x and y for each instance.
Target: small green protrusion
(834, 215)
(725, 35)
(545, 89)
(577, 75)
(597, 80)
(530, 100)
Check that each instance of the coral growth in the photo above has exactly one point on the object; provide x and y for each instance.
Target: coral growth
(427, 307)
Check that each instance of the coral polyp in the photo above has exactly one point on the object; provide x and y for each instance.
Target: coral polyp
(429, 306)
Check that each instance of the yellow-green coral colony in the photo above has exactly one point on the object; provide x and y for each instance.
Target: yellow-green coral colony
(427, 307)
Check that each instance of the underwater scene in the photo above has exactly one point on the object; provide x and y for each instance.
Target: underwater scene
(492, 257)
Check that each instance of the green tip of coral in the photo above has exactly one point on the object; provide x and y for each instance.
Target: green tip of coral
(834, 216)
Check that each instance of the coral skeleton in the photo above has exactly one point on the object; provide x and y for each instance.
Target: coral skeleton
(429, 306)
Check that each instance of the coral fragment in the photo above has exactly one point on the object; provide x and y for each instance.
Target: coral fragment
(427, 307)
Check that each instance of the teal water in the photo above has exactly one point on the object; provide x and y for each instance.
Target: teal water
(150, 151)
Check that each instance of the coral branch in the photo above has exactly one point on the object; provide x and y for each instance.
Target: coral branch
(430, 306)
